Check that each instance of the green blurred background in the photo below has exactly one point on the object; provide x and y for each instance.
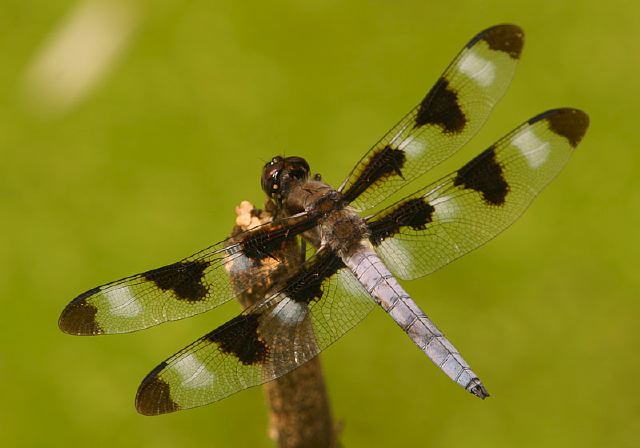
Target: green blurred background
(129, 148)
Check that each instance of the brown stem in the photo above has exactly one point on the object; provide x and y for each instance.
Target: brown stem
(300, 415)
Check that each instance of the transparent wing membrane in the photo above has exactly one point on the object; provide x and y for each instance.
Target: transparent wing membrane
(451, 113)
(318, 305)
(186, 288)
(469, 207)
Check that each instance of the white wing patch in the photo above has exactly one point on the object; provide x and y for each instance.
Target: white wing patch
(478, 69)
(122, 302)
(413, 147)
(532, 148)
(397, 249)
(289, 312)
(445, 208)
(194, 374)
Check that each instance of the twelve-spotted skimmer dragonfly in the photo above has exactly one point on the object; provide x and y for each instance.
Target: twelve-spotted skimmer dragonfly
(358, 256)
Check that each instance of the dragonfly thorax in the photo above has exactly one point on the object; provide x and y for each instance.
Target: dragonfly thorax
(342, 230)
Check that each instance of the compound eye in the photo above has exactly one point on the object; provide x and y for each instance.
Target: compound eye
(271, 176)
(297, 167)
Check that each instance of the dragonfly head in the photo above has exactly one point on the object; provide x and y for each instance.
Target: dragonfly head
(280, 170)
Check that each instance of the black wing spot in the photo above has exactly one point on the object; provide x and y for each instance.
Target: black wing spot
(239, 337)
(306, 285)
(154, 394)
(184, 278)
(79, 317)
(266, 241)
(572, 124)
(381, 164)
(506, 38)
(415, 213)
(441, 108)
(484, 175)
(262, 243)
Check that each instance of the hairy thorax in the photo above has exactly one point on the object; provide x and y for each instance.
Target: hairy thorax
(339, 226)
(342, 230)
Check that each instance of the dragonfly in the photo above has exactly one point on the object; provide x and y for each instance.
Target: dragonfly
(354, 247)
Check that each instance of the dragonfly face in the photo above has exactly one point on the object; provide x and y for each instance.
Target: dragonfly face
(279, 171)
(308, 304)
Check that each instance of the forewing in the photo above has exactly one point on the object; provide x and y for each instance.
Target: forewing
(319, 304)
(450, 114)
(188, 287)
(469, 207)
